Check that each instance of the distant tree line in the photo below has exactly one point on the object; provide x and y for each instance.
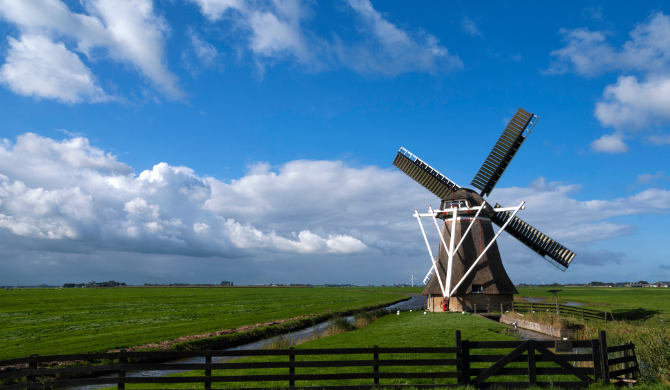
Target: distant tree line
(93, 283)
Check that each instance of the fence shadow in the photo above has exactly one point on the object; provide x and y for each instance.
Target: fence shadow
(635, 314)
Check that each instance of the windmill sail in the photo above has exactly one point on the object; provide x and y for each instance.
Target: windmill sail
(549, 249)
(424, 174)
(504, 150)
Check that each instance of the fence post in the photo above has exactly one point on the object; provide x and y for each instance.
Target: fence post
(626, 353)
(459, 355)
(208, 371)
(375, 357)
(595, 353)
(465, 359)
(605, 313)
(32, 365)
(582, 313)
(502, 308)
(531, 308)
(488, 309)
(122, 370)
(532, 372)
(604, 357)
(291, 367)
(475, 308)
(512, 304)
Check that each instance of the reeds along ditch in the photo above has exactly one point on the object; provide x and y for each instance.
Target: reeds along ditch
(335, 326)
(652, 346)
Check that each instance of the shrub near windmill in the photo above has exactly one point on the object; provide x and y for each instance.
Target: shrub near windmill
(469, 268)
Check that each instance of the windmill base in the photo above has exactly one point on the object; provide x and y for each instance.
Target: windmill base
(467, 302)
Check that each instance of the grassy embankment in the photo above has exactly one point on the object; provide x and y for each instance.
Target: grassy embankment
(52, 321)
(642, 316)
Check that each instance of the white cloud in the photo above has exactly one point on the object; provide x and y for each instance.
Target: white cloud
(637, 101)
(659, 140)
(276, 31)
(204, 51)
(129, 31)
(69, 197)
(35, 66)
(647, 178)
(471, 28)
(612, 143)
(630, 104)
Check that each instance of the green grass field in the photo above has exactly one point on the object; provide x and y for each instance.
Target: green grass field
(53, 321)
(404, 330)
(606, 298)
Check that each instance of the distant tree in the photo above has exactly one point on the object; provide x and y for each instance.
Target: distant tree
(643, 282)
(597, 284)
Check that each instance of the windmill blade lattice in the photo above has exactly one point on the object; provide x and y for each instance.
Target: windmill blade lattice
(504, 150)
(424, 174)
(539, 242)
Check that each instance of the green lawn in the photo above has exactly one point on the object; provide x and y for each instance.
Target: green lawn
(54, 321)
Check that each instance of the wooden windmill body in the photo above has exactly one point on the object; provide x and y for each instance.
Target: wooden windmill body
(488, 284)
(468, 270)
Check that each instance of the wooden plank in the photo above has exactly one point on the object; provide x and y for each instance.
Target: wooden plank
(625, 359)
(297, 377)
(604, 358)
(538, 358)
(501, 363)
(597, 368)
(459, 355)
(619, 348)
(557, 371)
(55, 371)
(11, 362)
(629, 370)
(532, 368)
(569, 368)
(465, 371)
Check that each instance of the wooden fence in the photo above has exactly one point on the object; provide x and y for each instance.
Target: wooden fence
(482, 364)
(571, 310)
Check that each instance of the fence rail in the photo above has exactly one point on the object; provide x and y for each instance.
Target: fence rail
(482, 364)
(577, 311)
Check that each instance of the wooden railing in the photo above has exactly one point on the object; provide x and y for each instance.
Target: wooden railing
(571, 310)
(482, 364)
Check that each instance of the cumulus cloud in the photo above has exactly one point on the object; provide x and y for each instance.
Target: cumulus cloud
(127, 31)
(35, 66)
(63, 197)
(636, 101)
(612, 143)
(276, 31)
(580, 222)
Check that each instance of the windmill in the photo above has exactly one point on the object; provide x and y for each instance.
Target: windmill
(412, 279)
(468, 270)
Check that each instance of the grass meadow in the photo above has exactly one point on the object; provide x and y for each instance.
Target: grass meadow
(406, 330)
(61, 321)
(612, 299)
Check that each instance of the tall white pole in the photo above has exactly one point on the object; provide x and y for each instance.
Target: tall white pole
(439, 234)
(418, 218)
(487, 248)
(452, 253)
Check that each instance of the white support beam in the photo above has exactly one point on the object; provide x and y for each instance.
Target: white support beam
(452, 252)
(416, 214)
(486, 249)
(470, 226)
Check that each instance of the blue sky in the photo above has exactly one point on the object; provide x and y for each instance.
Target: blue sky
(208, 140)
